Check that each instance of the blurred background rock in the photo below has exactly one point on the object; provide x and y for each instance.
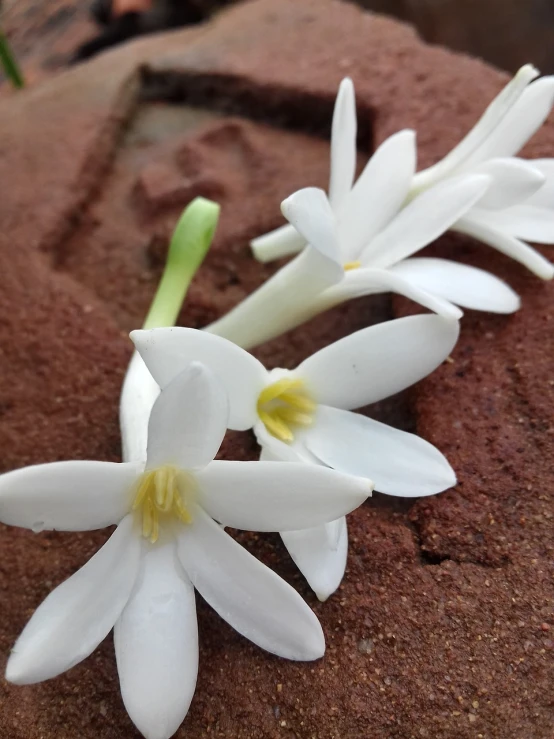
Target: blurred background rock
(506, 33)
(46, 34)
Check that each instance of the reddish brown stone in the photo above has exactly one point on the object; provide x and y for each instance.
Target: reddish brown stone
(437, 630)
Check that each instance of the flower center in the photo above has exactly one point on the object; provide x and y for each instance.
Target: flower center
(351, 265)
(283, 405)
(160, 495)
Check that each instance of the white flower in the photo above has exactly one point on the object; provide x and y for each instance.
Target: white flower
(331, 269)
(352, 242)
(304, 413)
(141, 582)
(520, 203)
(379, 218)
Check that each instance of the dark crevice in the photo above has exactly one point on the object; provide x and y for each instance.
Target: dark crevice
(433, 558)
(289, 109)
(429, 558)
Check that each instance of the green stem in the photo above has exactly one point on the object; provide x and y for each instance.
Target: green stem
(190, 242)
(11, 67)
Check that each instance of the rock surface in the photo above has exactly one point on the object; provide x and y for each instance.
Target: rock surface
(444, 624)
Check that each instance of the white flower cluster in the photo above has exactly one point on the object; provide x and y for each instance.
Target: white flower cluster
(319, 460)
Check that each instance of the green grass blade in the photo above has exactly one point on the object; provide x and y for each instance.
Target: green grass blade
(10, 65)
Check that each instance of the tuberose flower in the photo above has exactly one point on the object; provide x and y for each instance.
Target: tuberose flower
(517, 204)
(305, 414)
(167, 543)
(333, 267)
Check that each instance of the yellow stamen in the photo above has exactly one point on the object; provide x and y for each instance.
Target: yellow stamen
(352, 265)
(276, 427)
(160, 493)
(285, 404)
(278, 388)
(291, 415)
(160, 484)
(301, 402)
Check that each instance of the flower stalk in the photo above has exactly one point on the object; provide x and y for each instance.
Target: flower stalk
(189, 245)
(9, 63)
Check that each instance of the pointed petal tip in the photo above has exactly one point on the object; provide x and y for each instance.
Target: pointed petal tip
(299, 196)
(510, 304)
(138, 336)
(325, 588)
(156, 729)
(406, 133)
(457, 313)
(15, 671)
(346, 84)
(448, 311)
(315, 647)
(528, 72)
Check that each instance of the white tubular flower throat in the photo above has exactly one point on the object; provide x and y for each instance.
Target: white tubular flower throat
(305, 414)
(170, 540)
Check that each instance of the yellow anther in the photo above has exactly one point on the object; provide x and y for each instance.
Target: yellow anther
(302, 402)
(291, 415)
(160, 484)
(273, 391)
(285, 404)
(352, 265)
(276, 427)
(160, 493)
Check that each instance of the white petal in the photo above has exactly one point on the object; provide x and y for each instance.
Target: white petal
(310, 213)
(282, 242)
(369, 281)
(481, 133)
(425, 219)
(400, 463)
(343, 144)
(156, 645)
(466, 286)
(513, 181)
(526, 222)
(519, 124)
(79, 613)
(67, 496)
(544, 197)
(378, 361)
(277, 496)
(320, 555)
(188, 420)
(378, 194)
(532, 220)
(168, 351)
(138, 396)
(247, 594)
(484, 229)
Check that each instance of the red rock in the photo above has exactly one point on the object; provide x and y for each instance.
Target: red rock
(439, 587)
